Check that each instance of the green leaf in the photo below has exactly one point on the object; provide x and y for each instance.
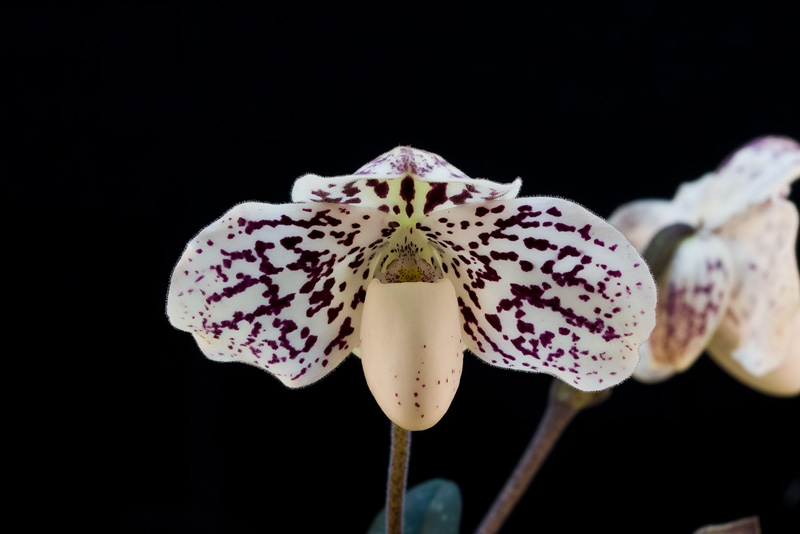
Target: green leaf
(433, 507)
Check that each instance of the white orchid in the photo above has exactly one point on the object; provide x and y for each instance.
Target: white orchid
(409, 261)
(732, 284)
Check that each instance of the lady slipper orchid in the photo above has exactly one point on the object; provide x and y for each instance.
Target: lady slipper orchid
(730, 283)
(407, 262)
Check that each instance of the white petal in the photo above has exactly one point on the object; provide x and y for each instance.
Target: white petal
(782, 381)
(278, 286)
(766, 297)
(640, 220)
(693, 297)
(411, 350)
(405, 182)
(762, 169)
(544, 285)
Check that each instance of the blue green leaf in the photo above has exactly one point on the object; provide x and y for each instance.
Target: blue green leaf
(433, 507)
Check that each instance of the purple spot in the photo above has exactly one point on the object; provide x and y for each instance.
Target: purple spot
(407, 194)
(538, 244)
(568, 250)
(554, 212)
(525, 328)
(380, 187)
(546, 338)
(435, 197)
(610, 334)
(494, 320)
(511, 256)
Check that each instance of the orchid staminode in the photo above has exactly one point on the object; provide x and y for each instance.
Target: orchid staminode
(407, 262)
(732, 285)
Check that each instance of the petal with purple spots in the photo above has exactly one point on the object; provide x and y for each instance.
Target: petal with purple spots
(278, 286)
(544, 285)
(693, 297)
(404, 182)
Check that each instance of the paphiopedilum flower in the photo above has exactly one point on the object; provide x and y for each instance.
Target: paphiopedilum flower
(407, 262)
(731, 284)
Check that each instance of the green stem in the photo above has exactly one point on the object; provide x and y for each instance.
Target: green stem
(398, 470)
(564, 403)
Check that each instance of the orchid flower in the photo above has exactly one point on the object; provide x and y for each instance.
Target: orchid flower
(732, 284)
(407, 262)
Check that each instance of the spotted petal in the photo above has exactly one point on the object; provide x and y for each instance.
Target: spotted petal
(766, 298)
(543, 285)
(692, 300)
(405, 182)
(762, 169)
(278, 286)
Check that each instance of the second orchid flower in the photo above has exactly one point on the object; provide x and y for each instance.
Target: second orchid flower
(730, 283)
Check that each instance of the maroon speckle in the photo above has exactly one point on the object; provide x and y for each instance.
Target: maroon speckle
(546, 338)
(435, 197)
(381, 187)
(568, 250)
(494, 320)
(538, 244)
(610, 334)
(407, 194)
(554, 212)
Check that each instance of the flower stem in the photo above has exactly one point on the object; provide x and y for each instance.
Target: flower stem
(396, 488)
(563, 404)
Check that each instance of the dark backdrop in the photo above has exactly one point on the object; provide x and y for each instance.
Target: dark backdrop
(130, 126)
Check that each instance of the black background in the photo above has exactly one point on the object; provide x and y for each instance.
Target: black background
(130, 126)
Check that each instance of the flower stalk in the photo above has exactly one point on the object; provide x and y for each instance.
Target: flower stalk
(398, 471)
(564, 403)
